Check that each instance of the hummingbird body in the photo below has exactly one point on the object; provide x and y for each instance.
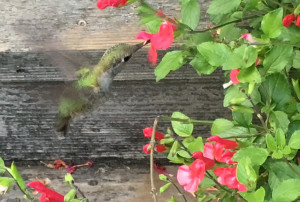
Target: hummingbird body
(92, 86)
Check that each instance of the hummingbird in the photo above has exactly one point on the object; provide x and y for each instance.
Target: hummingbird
(93, 84)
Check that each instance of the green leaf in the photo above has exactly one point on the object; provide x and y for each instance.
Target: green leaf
(170, 62)
(162, 177)
(250, 4)
(230, 33)
(296, 60)
(184, 154)
(242, 57)
(279, 119)
(288, 190)
(245, 173)
(257, 196)
(276, 89)
(220, 126)
(214, 53)
(207, 183)
(173, 199)
(164, 188)
(242, 118)
(196, 145)
(190, 13)
(238, 131)
(249, 75)
(277, 58)
(201, 65)
(296, 88)
(278, 154)
(2, 166)
(279, 171)
(182, 129)
(223, 6)
(16, 175)
(280, 138)
(271, 24)
(290, 34)
(70, 195)
(257, 155)
(198, 38)
(294, 142)
(5, 184)
(271, 143)
(69, 180)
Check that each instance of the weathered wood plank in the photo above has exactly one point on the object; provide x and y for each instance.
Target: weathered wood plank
(28, 113)
(28, 25)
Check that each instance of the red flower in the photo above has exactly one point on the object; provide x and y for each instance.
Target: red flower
(233, 75)
(159, 148)
(148, 133)
(248, 37)
(48, 195)
(102, 4)
(257, 61)
(228, 144)
(161, 40)
(161, 170)
(288, 19)
(298, 21)
(227, 176)
(223, 156)
(209, 163)
(191, 176)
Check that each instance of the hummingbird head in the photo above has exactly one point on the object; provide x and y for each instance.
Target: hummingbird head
(119, 53)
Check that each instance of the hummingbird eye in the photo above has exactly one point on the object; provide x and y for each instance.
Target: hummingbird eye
(125, 59)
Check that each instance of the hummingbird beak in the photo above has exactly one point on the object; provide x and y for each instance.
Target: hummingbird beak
(141, 45)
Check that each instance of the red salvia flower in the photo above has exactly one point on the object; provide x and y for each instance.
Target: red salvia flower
(288, 19)
(298, 21)
(102, 4)
(48, 195)
(148, 133)
(161, 40)
(191, 176)
(209, 163)
(228, 144)
(233, 75)
(227, 176)
(158, 148)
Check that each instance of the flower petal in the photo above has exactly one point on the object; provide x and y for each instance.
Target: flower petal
(152, 56)
(160, 148)
(102, 4)
(228, 144)
(164, 38)
(298, 21)
(145, 149)
(148, 133)
(209, 163)
(191, 176)
(233, 75)
(288, 19)
(144, 35)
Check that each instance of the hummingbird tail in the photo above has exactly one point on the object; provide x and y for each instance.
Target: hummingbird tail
(62, 125)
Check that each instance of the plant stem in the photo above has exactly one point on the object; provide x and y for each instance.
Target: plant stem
(28, 195)
(77, 189)
(259, 116)
(152, 144)
(280, 4)
(224, 24)
(183, 196)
